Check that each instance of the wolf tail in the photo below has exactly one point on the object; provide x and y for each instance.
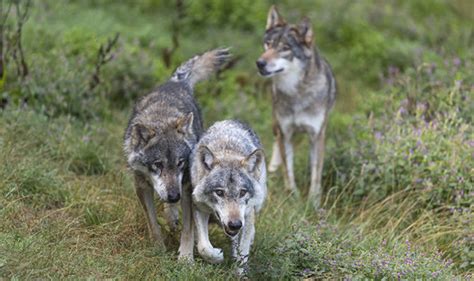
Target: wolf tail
(201, 66)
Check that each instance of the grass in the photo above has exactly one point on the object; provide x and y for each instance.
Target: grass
(398, 170)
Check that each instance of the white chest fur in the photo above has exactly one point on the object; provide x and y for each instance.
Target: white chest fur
(287, 81)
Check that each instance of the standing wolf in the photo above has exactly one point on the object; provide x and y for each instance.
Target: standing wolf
(162, 131)
(304, 91)
(228, 174)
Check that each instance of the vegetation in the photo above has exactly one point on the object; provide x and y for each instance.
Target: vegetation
(399, 166)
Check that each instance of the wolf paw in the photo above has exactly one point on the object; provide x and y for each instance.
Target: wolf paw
(242, 272)
(173, 225)
(273, 167)
(186, 257)
(212, 255)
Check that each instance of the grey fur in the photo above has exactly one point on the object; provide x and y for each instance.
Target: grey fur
(228, 175)
(304, 92)
(164, 128)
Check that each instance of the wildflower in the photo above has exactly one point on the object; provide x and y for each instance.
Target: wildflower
(457, 62)
(378, 135)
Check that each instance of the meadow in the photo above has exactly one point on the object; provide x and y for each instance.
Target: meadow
(399, 163)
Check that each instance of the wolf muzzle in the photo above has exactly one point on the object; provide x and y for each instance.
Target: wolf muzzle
(173, 195)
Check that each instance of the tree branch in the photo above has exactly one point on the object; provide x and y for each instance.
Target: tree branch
(104, 55)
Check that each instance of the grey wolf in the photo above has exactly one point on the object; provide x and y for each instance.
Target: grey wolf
(228, 175)
(303, 94)
(164, 128)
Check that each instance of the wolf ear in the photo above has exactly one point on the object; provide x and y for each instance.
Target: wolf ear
(206, 157)
(306, 30)
(184, 125)
(143, 133)
(253, 160)
(274, 18)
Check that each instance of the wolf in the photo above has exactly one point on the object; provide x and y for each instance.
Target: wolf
(162, 131)
(228, 175)
(303, 94)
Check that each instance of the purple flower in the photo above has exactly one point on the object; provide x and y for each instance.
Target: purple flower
(402, 111)
(306, 271)
(378, 135)
(457, 62)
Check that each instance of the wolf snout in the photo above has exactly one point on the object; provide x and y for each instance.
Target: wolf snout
(261, 63)
(173, 196)
(235, 225)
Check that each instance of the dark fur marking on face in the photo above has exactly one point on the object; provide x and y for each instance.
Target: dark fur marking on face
(280, 36)
(231, 181)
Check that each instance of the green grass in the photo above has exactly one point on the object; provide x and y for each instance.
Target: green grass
(398, 169)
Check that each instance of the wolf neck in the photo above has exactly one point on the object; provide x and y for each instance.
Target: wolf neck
(288, 82)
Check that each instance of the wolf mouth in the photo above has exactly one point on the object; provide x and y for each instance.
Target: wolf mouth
(230, 233)
(263, 72)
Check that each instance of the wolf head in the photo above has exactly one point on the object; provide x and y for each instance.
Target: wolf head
(287, 47)
(227, 185)
(162, 154)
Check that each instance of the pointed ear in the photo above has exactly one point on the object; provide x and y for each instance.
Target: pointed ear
(253, 160)
(206, 157)
(184, 125)
(142, 133)
(306, 30)
(274, 18)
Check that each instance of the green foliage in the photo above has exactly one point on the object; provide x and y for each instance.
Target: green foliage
(420, 142)
(238, 14)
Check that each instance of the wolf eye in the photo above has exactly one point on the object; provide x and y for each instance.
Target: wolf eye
(181, 163)
(157, 166)
(267, 44)
(285, 48)
(242, 193)
(219, 192)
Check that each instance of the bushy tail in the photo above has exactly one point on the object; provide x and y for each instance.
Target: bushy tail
(201, 67)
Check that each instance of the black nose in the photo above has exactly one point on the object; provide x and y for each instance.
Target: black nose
(235, 225)
(261, 63)
(173, 197)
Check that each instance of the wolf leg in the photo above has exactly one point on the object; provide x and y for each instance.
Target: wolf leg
(316, 162)
(145, 194)
(205, 248)
(275, 161)
(246, 240)
(286, 153)
(187, 233)
(171, 212)
(235, 246)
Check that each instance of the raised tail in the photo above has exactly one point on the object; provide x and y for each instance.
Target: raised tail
(200, 67)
